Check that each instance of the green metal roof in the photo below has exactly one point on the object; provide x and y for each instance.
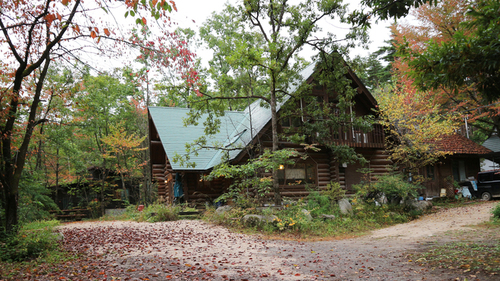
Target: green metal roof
(237, 130)
(169, 122)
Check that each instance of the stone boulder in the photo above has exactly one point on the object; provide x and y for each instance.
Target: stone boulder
(307, 214)
(327, 217)
(421, 205)
(258, 219)
(345, 207)
(223, 209)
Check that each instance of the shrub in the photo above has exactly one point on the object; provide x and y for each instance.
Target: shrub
(34, 201)
(393, 187)
(230, 218)
(156, 212)
(318, 203)
(496, 212)
(31, 241)
(334, 191)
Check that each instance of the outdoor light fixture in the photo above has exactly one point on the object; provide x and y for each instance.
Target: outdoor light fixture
(282, 167)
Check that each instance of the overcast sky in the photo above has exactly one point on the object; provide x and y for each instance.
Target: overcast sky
(199, 10)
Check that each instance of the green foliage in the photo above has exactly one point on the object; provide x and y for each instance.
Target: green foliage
(496, 212)
(333, 191)
(34, 201)
(249, 187)
(471, 57)
(156, 212)
(319, 203)
(371, 71)
(31, 241)
(386, 9)
(393, 187)
(292, 218)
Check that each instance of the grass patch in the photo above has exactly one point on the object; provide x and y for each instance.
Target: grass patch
(466, 256)
(32, 240)
(479, 251)
(34, 248)
(445, 202)
(38, 266)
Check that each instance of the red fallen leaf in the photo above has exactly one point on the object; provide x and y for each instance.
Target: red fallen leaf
(297, 274)
(332, 275)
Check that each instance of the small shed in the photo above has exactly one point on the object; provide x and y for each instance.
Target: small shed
(463, 163)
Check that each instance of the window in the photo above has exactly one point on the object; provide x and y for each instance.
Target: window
(458, 168)
(430, 172)
(293, 122)
(300, 173)
(489, 176)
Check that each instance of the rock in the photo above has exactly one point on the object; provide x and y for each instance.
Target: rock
(223, 209)
(345, 206)
(307, 214)
(327, 217)
(257, 219)
(58, 236)
(418, 205)
(422, 205)
(381, 199)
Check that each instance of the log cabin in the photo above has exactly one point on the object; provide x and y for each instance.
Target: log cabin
(251, 128)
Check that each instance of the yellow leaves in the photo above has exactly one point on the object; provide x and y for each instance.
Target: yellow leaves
(416, 121)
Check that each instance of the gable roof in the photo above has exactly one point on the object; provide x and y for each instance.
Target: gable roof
(169, 123)
(238, 129)
(458, 144)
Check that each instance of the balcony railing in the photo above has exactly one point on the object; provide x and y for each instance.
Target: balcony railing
(356, 138)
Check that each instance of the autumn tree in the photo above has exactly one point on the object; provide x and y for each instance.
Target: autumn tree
(415, 122)
(452, 52)
(37, 33)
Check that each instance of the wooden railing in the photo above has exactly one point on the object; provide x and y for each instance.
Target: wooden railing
(357, 138)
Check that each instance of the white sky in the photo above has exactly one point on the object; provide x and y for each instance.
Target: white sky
(193, 13)
(199, 10)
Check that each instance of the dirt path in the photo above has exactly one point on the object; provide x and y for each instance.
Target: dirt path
(439, 222)
(194, 250)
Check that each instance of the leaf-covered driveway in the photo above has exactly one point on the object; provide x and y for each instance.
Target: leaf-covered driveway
(194, 250)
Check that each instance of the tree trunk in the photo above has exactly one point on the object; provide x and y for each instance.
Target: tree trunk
(274, 130)
(11, 216)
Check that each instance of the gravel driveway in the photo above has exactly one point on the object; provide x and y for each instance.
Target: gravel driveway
(195, 250)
